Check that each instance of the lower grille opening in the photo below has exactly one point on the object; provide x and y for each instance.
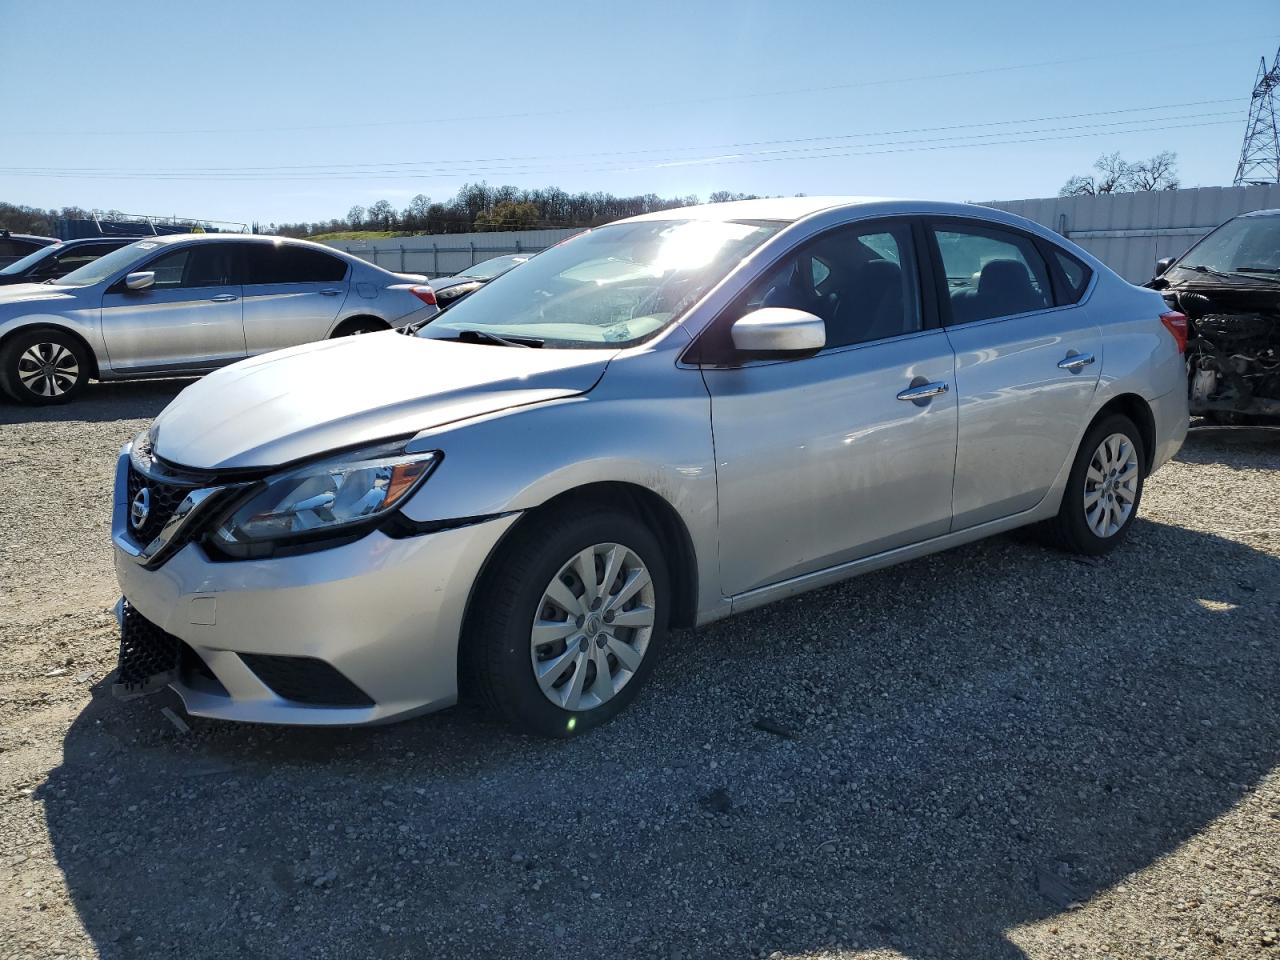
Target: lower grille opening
(148, 655)
(306, 680)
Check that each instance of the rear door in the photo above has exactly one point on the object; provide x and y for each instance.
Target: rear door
(292, 294)
(189, 320)
(1026, 367)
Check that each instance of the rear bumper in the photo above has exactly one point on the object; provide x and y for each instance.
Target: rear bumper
(1171, 419)
(385, 613)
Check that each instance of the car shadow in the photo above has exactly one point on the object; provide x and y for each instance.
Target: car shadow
(101, 402)
(952, 748)
(1211, 443)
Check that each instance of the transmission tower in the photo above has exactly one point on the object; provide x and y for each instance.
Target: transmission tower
(1260, 155)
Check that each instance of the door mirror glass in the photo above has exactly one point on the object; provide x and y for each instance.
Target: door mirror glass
(779, 330)
(1163, 264)
(142, 280)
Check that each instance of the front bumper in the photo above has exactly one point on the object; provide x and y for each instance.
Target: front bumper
(385, 613)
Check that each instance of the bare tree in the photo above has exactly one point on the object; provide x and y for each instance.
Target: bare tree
(1158, 173)
(1117, 175)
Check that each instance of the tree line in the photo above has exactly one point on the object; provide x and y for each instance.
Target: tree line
(481, 207)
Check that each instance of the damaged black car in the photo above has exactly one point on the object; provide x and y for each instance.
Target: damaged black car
(1228, 285)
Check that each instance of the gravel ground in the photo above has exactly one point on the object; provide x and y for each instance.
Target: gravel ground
(997, 752)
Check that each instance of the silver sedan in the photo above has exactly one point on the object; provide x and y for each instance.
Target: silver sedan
(169, 306)
(658, 423)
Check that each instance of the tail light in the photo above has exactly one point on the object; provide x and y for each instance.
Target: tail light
(428, 296)
(1176, 324)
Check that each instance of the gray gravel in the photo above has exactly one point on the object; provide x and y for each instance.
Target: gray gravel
(993, 753)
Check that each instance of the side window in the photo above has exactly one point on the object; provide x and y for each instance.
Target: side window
(74, 259)
(861, 280)
(991, 272)
(201, 265)
(16, 248)
(1074, 272)
(286, 263)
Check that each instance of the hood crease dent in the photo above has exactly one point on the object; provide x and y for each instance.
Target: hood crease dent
(306, 401)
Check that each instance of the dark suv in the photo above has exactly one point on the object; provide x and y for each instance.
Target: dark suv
(15, 246)
(58, 259)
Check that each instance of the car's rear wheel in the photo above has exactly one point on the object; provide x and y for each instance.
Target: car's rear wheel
(1104, 489)
(43, 366)
(569, 621)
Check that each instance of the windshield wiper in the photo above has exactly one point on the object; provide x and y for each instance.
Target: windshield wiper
(1263, 270)
(484, 336)
(1201, 268)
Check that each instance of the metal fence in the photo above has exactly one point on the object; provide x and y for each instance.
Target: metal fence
(447, 254)
(1129, 232)
(1126, 231)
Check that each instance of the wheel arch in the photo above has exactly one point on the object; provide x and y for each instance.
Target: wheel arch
(345, 322)
(651, 508)
(9, 335)
(1138, 410)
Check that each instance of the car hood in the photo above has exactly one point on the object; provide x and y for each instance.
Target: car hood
(30, 292)
(308, 400)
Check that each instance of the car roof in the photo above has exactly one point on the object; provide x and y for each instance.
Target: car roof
(123, 241)
(1262, 213)
(168, 238)
(10, 235)
(791, 209)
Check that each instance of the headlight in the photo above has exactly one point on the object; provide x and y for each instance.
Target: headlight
(331, 498)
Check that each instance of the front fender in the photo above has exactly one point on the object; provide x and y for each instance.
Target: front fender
(647, 423)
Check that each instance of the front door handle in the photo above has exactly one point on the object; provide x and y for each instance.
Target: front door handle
(329, 292)
(922, 393)
(1075, 362)
(224, 298)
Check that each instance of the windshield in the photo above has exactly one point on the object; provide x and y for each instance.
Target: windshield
(105, 266)
(30, 260)
(613, 286)
(488, 269)
(1245, 246)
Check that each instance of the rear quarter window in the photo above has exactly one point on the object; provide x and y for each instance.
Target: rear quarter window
(1075, 275)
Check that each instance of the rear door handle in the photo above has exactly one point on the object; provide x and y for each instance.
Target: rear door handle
(329, 292)
(1075, 362)
(224, 298)
(923, 392)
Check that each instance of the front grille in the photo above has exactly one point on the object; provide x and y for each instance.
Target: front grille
(148, 655)
(306, 680)
(165, 499)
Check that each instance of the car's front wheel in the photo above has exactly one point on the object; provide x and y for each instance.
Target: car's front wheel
(43, 366)
(1104, 489)
(569, 620)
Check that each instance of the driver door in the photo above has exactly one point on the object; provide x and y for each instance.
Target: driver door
(821, 460)
(190, 319)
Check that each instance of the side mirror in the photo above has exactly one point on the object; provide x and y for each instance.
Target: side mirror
(1163, 264)
(142, 280)
(779, 330)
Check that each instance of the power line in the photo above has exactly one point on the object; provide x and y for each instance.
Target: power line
(772, 156)
(684, 101)
(390, 166)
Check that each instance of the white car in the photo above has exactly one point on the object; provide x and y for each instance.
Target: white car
(188, 304)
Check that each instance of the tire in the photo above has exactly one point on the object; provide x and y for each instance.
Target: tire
(1100, 528)
(353, 328)
(500, 655)
(44, 367)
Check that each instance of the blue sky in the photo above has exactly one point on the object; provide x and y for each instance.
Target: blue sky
(276, 111)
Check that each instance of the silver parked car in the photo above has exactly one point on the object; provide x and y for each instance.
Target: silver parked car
(188, 304)
(658, 423)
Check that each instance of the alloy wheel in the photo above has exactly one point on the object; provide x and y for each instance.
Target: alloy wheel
(48, 369)
(1111, 485)
(592, 626)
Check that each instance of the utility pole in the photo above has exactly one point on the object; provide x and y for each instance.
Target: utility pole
(1260, 155)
